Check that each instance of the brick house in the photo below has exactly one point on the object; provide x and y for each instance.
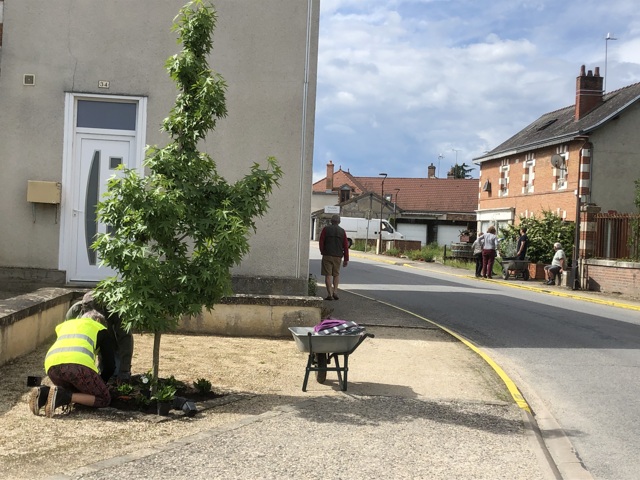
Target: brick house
(426, 209)
(591, 147)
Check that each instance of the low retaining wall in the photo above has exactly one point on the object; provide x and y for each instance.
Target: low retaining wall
(254, 315)
(610, 276)
(27, 321)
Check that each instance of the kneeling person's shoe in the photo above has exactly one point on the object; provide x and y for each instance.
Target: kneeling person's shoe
(38, 398)
(58, 397)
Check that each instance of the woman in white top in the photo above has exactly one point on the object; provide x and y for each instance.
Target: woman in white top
(489, 247)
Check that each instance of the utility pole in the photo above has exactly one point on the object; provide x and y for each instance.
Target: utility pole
(384, 177)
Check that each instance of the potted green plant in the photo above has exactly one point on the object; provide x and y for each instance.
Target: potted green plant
(202, 385)
(164, 398)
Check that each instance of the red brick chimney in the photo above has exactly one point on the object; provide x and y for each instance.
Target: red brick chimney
(588, 92)
(431, 169)
(329, 176)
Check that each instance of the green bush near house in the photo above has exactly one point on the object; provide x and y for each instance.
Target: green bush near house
(543, 231)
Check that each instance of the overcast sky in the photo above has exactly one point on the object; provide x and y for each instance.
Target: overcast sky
(403, 82)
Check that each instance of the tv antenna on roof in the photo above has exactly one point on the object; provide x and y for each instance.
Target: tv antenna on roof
(606, 45)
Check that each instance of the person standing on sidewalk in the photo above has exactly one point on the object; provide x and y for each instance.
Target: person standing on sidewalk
(72, 366)
(333, 247)
(477, 253)
(523, 244)
(489, 247)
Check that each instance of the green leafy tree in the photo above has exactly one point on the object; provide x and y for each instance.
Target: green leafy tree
(175, 233)
(461, 171)
(543, 232)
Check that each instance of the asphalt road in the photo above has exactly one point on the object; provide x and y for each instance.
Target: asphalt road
(577, 360)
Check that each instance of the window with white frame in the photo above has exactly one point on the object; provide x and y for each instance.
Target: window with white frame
(504, 178)
(528, 165)
(560, 172)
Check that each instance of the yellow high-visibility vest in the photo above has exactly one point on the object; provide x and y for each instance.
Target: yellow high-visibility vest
(76, 343)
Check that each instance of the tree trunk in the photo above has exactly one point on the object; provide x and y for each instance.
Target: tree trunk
(156, 361)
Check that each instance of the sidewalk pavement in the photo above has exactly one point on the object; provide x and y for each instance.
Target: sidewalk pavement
(419, 404)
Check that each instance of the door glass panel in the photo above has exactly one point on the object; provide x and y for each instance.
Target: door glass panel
(114, 162)
(108, 115)
(90, 204)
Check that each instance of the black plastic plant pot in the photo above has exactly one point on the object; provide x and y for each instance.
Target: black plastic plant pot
(164, 408)
(189, 408)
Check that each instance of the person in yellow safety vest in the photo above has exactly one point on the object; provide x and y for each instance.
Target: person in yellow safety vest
(72, 366)
(123, 340)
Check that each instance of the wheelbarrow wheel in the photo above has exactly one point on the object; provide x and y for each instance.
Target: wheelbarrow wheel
(321, 362)
(505, 273)
(525, 274)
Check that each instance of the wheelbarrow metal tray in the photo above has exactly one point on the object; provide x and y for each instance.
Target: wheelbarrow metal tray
(323, 343)
(516, 264)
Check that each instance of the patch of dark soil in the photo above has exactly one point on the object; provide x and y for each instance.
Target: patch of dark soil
(136, 395)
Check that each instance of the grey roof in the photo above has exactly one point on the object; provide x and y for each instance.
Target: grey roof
(559, 126)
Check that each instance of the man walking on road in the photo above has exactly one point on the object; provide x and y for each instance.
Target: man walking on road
(333, 246)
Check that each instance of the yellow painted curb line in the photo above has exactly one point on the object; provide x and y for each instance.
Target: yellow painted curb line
(511, 386)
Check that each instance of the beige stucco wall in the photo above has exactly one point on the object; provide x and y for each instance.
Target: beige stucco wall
(321, 200)
(267, 53)
(27, 321)
(254, 317)
(616, 163)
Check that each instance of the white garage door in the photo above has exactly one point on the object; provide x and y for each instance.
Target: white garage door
(412, 231)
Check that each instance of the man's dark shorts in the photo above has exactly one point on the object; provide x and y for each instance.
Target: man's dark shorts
(553, 270)
(330, 266)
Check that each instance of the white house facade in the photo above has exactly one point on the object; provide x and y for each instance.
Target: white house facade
(83, 88)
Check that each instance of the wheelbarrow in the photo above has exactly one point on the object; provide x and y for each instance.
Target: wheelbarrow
(515, 268)
(322, 349)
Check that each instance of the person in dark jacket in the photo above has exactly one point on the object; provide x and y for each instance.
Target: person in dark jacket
(477, 253)
(72, 366)
(334, 245)
(523, 244)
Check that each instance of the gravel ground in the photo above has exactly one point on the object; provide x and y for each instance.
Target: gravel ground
(418, 405)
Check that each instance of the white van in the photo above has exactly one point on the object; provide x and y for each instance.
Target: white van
(363, 229)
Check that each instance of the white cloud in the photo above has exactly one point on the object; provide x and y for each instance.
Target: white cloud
(400, 82)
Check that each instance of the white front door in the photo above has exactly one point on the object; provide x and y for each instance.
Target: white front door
(101, 134)
(99, 157)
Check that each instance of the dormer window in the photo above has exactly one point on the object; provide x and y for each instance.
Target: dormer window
(547, 124)
(345, 194)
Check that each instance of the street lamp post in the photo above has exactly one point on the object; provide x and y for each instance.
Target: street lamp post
(606, 51)
(384, 177)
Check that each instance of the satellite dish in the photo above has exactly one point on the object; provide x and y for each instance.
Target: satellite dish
(557, 161)
(487, 186)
